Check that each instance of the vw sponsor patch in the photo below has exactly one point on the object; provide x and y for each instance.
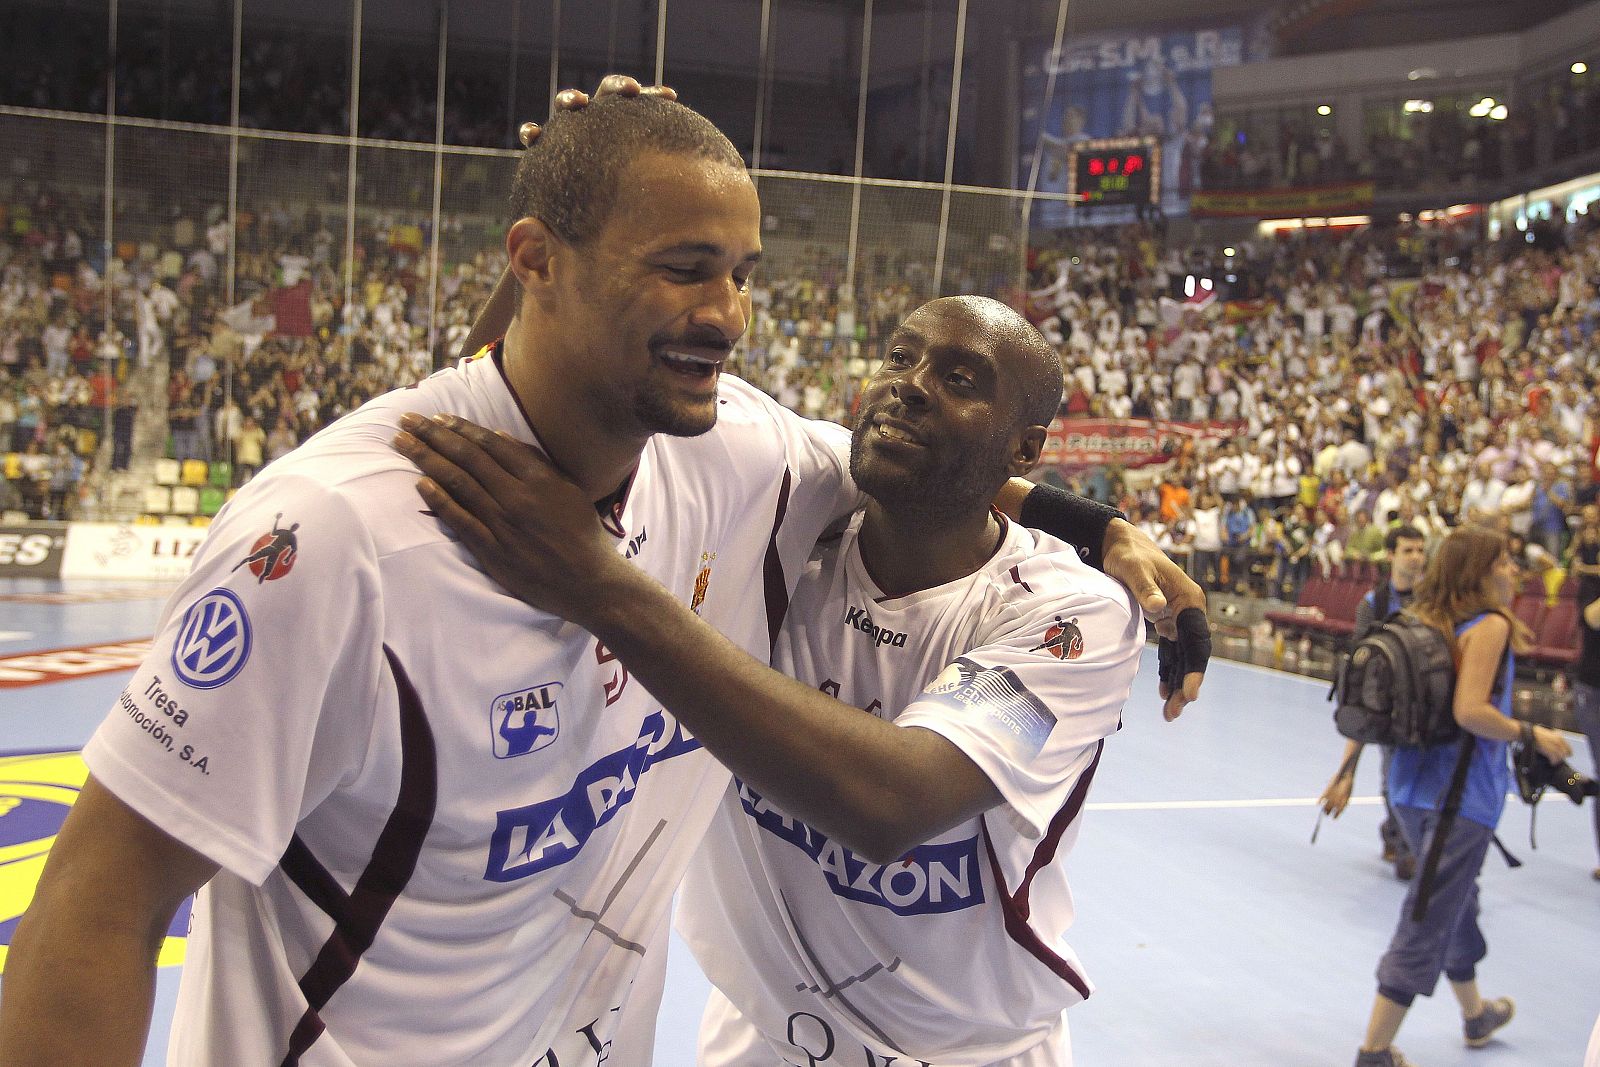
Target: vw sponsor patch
(213, 641)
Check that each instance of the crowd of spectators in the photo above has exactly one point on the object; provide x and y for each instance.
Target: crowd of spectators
(247, 381)
(1416, 374)
(1344, 400)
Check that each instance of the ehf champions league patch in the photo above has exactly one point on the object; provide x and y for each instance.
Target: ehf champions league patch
(995, 692)
(37, 789)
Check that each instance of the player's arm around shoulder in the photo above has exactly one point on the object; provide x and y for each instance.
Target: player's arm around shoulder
(80, 976)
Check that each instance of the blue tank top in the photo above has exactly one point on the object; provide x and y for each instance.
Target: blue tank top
(1420, 777)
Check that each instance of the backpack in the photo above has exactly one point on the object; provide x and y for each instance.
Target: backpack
(1397, 687)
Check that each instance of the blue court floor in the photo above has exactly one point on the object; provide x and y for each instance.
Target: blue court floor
(1217, 934)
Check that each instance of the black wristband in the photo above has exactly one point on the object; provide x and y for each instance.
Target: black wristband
(1077, 520)
(1525, 729)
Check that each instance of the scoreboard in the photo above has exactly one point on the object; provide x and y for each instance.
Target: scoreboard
(1125, 170)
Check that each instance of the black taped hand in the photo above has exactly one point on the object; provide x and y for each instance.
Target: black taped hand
(1181, 663)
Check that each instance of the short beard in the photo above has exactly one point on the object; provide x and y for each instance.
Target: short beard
(956, 487)
(658, 415)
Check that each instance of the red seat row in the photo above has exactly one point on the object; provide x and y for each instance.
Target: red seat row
(1328, 606)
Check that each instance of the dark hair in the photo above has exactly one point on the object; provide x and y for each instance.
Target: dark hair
(1458, 585)
(1402, 533)
(1042, 378)
(1045, 380)
(570, 177)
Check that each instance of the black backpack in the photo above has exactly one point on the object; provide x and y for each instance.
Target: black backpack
(1397, 687)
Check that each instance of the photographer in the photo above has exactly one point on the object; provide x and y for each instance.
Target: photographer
(1464, 594)
(1407, 550)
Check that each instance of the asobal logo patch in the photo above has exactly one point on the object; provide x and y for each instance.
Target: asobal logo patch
(525, 720)
(213, 641)
(36, 792)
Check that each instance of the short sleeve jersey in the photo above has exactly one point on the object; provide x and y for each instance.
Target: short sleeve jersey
(449, 826)
(953, 955)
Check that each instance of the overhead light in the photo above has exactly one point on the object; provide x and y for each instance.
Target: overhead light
(1580, 67)
(1421, 73)
(1229, 252)
(1188, 286)
(1324, 110)
(1499, 113)
(1424, 107)
(1205, 283)
(1482, 107)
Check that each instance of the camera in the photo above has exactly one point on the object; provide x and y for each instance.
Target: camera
(1535, 774)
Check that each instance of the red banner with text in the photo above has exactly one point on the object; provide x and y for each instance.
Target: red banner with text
(1077, 443)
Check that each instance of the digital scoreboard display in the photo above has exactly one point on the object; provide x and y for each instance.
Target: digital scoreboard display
(1126, 170)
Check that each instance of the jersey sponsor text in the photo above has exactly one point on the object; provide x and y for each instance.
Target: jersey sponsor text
(535, 838)
(933, 879)
(858, 619)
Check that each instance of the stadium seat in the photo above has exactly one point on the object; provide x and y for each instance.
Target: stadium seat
(1529, 608)
(211, 500)
(157, 499)
(1556, 643)
(194, 472)
(222, 474)
(13, 466)
(185, 500)
(167, 471)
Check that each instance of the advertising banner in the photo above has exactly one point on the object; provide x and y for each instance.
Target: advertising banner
(107, 550)
(1076, 443)
(32, 550)
(1155, 86)
(1314, 202)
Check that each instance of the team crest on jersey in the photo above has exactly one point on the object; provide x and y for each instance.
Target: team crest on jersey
(1063, 640)
(702, 581)
(37, 789)
(213, 641)
(273, 554)
(525, 720)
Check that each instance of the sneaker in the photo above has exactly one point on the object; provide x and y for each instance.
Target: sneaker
(1481, 1027)
(1595, 874)
(1405, 868)
(1389, 853)
(1389, 1057)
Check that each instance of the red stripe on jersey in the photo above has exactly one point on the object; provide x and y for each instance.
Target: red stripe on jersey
(1046, 852)
(394, 859)
(1014, 907)
(776, 588)
(1016, 576)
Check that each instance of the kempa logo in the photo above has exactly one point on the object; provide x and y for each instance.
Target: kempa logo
(857, 618)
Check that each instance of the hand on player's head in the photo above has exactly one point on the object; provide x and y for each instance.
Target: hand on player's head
(577, 99)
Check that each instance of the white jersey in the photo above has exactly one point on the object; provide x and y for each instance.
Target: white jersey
(449, 825)
(953, 955)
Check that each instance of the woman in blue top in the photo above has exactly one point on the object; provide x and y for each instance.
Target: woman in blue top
(1465, 593)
